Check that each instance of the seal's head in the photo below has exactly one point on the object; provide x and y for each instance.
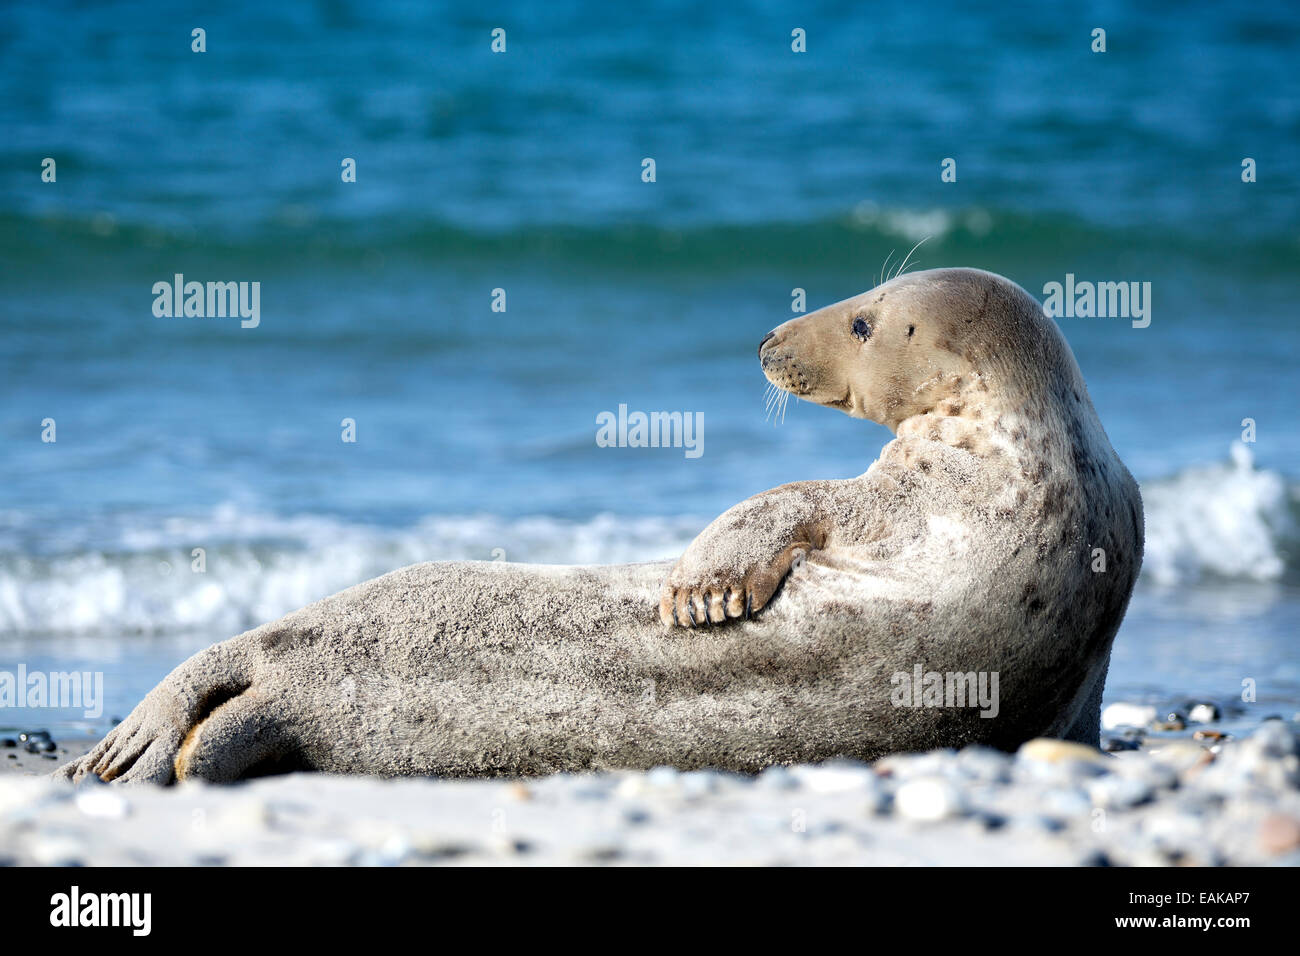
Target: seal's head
(936, 341)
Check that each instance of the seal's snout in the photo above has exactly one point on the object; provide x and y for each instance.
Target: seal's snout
(767, 338)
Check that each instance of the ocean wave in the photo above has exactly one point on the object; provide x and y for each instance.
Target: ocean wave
(853, 240)
(1229, 520)
(257, 567)
(1223, 521)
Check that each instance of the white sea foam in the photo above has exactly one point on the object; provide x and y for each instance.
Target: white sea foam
(1226, 520)
(259, 566)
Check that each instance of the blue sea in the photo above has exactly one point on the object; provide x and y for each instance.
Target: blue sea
(522, 171)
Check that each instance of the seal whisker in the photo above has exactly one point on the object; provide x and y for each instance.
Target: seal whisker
(909, 256)
(883, 266)
(772, 399)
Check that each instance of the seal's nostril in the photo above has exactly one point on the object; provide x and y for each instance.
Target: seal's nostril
(764, 342)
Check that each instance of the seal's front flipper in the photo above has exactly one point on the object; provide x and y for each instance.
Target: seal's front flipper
(738, 562)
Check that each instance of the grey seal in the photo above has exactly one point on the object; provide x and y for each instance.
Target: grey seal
(969, 547)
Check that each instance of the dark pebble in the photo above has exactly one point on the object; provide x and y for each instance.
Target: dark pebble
(1215, 711)
(1172, 721)
(1115, 744)
(39, 746)
(34, 735)
(8, 742)
(13, 756)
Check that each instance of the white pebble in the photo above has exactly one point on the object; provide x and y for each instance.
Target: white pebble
(834, 778)
(1121, 714)
(58, 851)
(928, 799)
(777, 777)
(102, 804)
(1118, 793)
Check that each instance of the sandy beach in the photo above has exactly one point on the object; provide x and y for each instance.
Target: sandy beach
(1174, 801)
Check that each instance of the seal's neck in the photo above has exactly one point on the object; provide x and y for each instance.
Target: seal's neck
(959, 410)
(1037, 433)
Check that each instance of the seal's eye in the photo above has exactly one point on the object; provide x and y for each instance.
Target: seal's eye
(861, 328)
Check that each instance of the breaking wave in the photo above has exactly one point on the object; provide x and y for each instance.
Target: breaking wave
(1224, 521)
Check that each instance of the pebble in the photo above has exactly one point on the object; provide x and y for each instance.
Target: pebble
(700, 783)
(249, 816)
(1065, 802)
(331, 852)
(1138, 765)
(394, 851)
(1171, 721)
(1275, 739)
(519, 791)
(983, 764)
(1177, 834)
(928, 800)
(658, 780)
(439, 846)
(834, 777)
(777, 777)
(8, 742)
(1278, 833)
(103, 804)
(1037, 822)
(636, 816)
(58, 850)
(1181, 755)
(1116, 744)
(1173, 802)
(1123, 714)
(1113, 792)
(512, 846)
(1049, 750)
